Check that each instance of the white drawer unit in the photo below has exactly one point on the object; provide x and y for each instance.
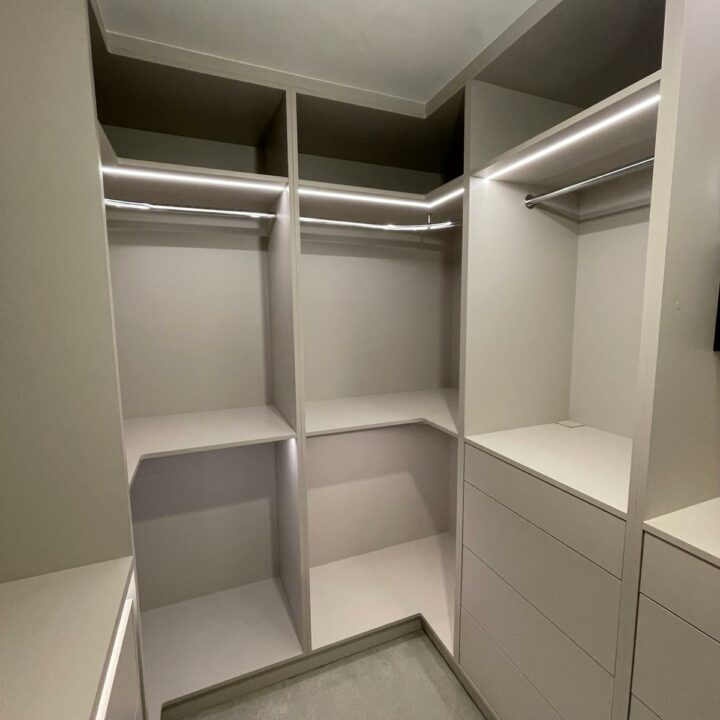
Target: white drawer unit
(576, 686)
(508, 692)
(677, 666)
(682, 583)
(594, 533)
(575, 594)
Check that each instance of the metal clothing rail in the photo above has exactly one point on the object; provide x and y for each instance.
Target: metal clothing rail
(532, 200)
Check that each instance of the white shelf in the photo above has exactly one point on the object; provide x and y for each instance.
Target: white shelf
(56, 634)
(195, 432)
(434, 407)
(695, 529)
(629, 140)
(196, 644)
(352, 596)
(589, 463)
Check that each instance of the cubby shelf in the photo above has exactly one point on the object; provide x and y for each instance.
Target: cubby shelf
(365, 592)
(195, 432)
(614, 132)
(592, 464)
(437, 408)
(196, 644)
(695, 529)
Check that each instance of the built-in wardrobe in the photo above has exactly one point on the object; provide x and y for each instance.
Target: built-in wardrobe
(455, 369)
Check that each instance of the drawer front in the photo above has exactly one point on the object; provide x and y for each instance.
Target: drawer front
(579, 597)
(638, 711)
(682, 583)
(677, 667)
(502, 685)
(567, 677)
(594, 533)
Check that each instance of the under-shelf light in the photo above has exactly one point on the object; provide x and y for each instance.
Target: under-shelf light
(378, 226)
(381, 199)
(190, 179)
(578, 136)
(129, 205)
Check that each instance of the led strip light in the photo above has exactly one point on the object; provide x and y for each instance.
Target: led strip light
(379, 199)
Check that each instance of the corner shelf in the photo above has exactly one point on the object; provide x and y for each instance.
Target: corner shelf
(195, 432)
(437, 408)
(71, 614)
(695, 529)
(361, 593)
(193, 645)
(591, 464)
(616, 144)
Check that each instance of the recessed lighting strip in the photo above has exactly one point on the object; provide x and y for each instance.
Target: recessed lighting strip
(593, 129)
(381, 199)
(190, 179)
(128, 205)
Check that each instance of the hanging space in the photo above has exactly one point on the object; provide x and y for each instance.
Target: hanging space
(381, 212)
(201, 244)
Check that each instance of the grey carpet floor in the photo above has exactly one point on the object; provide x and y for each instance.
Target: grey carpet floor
(405, 679)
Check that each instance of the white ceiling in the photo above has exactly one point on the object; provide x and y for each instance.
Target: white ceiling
(404, 48)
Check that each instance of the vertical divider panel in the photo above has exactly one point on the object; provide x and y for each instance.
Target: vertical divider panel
(676, 452)
(287, 374)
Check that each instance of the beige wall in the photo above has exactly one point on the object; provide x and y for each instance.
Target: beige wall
(63, 493)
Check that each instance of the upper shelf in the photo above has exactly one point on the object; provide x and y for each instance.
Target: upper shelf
(437, 408)
(195, 432)
(613, 133)
(69, 615)
(695, 529)
(589, 463)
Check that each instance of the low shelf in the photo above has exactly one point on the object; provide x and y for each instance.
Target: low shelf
(695, 529)
(361, 593)
(437, 408)
(592, 464)
(195, 432)
(193, 645)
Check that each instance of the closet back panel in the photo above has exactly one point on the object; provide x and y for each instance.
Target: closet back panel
(377, 319)
(376, 488)
(608, 313)
(204, 522)
(191, 316)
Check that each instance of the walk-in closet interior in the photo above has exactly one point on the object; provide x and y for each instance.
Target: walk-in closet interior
(305, 368)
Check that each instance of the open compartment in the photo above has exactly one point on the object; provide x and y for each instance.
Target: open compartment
(380, 313)
(555, 312)
(218, 569)
(381, 518)
(347, 144)
(161, 114)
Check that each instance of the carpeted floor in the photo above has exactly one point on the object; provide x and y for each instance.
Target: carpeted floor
(405, 679)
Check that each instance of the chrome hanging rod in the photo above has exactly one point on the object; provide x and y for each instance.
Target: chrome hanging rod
(532, 200)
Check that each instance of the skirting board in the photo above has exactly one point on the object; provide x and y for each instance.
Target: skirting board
(184, 708)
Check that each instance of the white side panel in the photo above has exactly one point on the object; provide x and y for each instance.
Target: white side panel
(520, 309)
(574, 684)
(508, 692)
(204, 522)
(682, 583)
(638, 711)
(576, 595)
(676, 666)
(396, 481)
(608, 310)
(596, 534)
(502, 119)
(376, 319)
(191, 312)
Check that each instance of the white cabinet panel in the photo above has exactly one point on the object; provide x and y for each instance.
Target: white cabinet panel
(571, 681)
(594, 533)
(638, 711)
(677, 667)
(579, 597)
(508, 692)
(683, 584)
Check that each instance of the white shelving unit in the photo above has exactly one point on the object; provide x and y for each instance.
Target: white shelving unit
(352, 596)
